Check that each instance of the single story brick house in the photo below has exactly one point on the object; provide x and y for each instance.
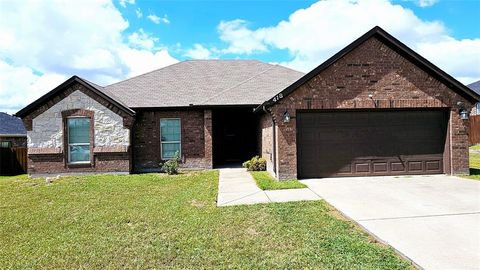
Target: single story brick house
(13, 143)
(374, 108)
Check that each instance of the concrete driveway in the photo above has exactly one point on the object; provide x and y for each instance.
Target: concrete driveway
(432, 220)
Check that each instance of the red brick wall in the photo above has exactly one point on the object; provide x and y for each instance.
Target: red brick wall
(266, 140)
(196, 139)
(55, 164)
(394, 82)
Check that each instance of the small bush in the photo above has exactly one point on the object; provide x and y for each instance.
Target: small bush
(171, 166)
(255, 164)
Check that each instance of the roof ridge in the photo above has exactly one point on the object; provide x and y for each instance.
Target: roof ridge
(282, 66)
(179, 62)
(238, 84)
(218, 59)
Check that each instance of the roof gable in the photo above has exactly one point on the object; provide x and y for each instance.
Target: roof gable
(65, 85)
(395, 45)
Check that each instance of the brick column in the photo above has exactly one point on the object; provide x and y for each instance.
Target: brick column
(207, 130)
(459, 144)
(286, 144)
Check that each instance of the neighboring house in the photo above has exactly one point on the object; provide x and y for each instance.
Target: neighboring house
(374, 108)
(13, 143)
(12, 132)
(475, 87)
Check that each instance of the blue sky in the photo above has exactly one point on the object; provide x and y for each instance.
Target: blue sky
(196, 21)
(42, 43)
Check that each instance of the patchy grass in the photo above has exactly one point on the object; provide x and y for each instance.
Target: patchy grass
(474, 163)
(266, 182)
(155, 221)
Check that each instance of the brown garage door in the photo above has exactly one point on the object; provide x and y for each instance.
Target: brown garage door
(363, 143)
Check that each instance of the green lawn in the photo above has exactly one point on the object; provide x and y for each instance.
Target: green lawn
(475, 163)
(154, 221)
(266, 182)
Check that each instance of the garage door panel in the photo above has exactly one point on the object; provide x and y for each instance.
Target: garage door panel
(433, 166)
(380, 167)
(350, 143)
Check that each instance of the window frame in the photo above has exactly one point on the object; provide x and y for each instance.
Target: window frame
(74, 144)
(478, 108)
(8, 143)
(170, 142)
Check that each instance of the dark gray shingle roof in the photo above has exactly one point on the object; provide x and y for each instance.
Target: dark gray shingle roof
(11, 125)
(475, 86)
(204, 82)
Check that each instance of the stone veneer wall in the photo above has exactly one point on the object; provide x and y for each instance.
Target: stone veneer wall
(196, 139)
(47, 128)
(46, 152)
(394, 82)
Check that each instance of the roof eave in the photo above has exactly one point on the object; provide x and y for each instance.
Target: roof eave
(195, 106)
(12, 135)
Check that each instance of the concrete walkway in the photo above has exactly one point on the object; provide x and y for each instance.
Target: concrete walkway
(237, 187)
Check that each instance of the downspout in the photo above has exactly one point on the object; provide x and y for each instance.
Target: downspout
(132, 157)
(274, 142)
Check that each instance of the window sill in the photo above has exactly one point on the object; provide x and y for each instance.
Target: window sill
(79, 165)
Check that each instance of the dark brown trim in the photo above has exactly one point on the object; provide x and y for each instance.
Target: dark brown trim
(445, 109)
(193, 107)
(78, 113)
(74, 79)
(394, 44)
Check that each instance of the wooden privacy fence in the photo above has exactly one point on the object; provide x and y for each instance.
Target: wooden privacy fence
(13, 161)
(474, 129)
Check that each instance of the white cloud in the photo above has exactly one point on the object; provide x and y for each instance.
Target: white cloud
(141, 39)
(20, 85)
(139, 13)
(142, 61)
(240, 38)
(199, 52)
(157, 20)
(458, 57)
(124, 3)
(42, 44)
(313, 34)
(426, 3)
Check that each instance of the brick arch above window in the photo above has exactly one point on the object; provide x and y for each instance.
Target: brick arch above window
(77, 112)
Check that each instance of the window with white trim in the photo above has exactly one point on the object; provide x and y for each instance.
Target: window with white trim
(78, 139)
(478, 107)
(170, 133)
